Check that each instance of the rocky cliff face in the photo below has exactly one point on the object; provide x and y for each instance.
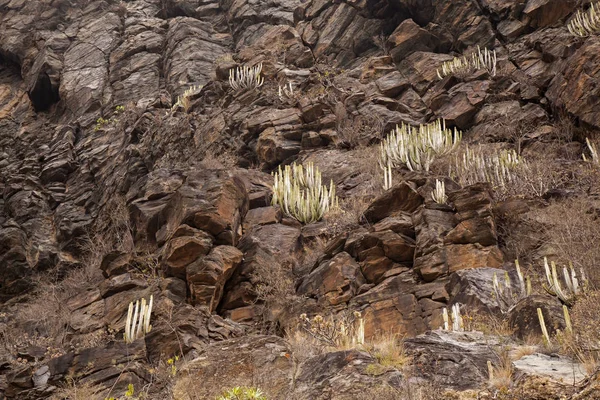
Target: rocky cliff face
(109, 195)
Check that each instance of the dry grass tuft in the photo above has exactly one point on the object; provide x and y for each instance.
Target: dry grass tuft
(389, 352)
(487, 323)
(522, 351)
(501, 371)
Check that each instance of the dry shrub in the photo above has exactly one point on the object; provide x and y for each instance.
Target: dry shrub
(487, 323)
(73, 390)
(572, 232)
(274, 282)
(585, 342)
(304, 346)
(408, 389)
(45, 320)
(358, 130)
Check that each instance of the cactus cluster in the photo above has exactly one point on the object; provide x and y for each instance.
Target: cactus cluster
(184, 100)
(300, 194)
(485, 59)
(417, 147)
(287, 91)
(137, 323)
(503, 292)
(439, 193)
(245, 77)
(572, 285)
(457, 323)
(585, 23)
(499, 169)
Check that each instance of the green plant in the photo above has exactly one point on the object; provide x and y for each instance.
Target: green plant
(417, 147)
(128, 394)
(245, 77)
(585, 23)
(485, 59)
(171, 362)
(137, 323)
(300, 194)
(100, 122)
(119, 110)
(242, 393)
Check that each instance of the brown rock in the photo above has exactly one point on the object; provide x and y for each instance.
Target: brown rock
(577, 87)
(334, 282)
(392, 84)
(547, 12)
(181, 251)
(400, 198)
(524, 318)
(407, 38)
(206, 277)
(262, 216)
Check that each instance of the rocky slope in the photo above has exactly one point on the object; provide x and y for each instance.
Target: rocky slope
(109, 195)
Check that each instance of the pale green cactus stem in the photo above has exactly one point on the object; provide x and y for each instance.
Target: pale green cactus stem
(569, 327)
(585, 23)
(521, 279)
(457, 321)
(439, 194)
(543, 326)
(246, 77)
(446, 319)
(593, 152)
(387, 177)
(137, 323)
(490, 370)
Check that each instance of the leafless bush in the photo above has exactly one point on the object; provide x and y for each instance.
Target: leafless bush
(572, 230)
(357, 130)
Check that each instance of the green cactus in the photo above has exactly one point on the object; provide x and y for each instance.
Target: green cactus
(300, 194)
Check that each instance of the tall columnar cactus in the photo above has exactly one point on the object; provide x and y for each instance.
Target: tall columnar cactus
(245, 77)
(300, 194)
(585, 23)
(417, 147)
(485, 59)
(137, 323)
